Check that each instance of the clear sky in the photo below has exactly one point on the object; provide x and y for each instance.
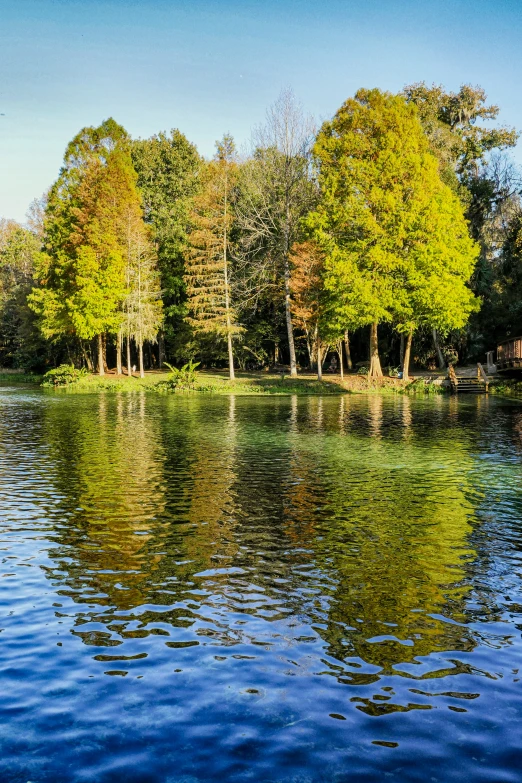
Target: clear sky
(213, 66)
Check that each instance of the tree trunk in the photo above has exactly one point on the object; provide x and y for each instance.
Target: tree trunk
(440, 357)
(104, 352)
(401, 353)
(319, 362)
(118, 353)
(86, 357)
(161, 348)
(101, 363)
(288, 311)
(349, 364)
(375, 362)
(406, 360)
(142, 373)
(231, 372)
(309, 348)
(289, 327)
(340, 352)
(129, 370)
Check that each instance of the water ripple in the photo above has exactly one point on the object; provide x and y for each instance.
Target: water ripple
(197, 589)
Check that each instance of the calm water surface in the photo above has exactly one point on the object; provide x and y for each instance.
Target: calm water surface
(271, 590)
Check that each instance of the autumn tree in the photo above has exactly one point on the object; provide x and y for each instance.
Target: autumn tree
(211, 310)
(311, 303)
(81, 272)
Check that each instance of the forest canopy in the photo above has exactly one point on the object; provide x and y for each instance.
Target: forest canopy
(390, 234)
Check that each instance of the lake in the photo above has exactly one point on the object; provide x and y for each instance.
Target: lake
(199, 588)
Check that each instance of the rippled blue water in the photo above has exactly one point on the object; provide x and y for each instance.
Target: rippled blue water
(241, 589)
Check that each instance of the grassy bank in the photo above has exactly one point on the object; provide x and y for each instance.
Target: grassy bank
(206, 381)
(18, 377)
(217, 382)
(506, 387)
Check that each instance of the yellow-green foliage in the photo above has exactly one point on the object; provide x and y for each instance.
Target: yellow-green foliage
(81, 272)
(396, 242)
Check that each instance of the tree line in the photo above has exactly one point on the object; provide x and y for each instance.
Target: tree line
(392, 232)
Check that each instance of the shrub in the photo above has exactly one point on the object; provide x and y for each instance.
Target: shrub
(421, 386)
(182, 379)
(64, 375)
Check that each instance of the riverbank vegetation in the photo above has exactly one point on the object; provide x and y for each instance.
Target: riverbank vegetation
(188, 379)
(390, 235)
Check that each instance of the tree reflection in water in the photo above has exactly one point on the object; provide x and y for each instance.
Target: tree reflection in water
(277, 587)
(332, 516)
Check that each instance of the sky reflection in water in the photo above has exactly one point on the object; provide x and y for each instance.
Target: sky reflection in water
(237, 589)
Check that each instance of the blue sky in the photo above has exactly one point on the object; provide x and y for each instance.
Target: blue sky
(213, 66)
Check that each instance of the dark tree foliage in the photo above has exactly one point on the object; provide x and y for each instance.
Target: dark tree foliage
(168, 168)
(472, 153)
(21, 344)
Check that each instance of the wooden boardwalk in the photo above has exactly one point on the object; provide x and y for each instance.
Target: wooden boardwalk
(509, 355)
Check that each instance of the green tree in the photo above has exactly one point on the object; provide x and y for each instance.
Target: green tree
(453, 124)
(208, 257)
(505, 303)
(20, 342)
(472, 156)
(81, 272)
(436, 275)
(386, 222)
(168, 169)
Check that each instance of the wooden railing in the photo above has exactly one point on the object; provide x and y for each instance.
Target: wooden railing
(482, 376)
(452, 379)
(478, 383)
(509, 349)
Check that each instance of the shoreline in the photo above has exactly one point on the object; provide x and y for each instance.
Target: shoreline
(246, 384)
(255, 384)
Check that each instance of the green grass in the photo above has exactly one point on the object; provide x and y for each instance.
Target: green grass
(209, 382)
(420, 386)
(253, 384)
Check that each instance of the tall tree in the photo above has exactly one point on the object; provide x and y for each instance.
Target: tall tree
(81, 272)
(437, 271)
(168, 167)
(473, 160)
(143, 307)
(276, 193)
(208, 257)
(453, 122)
(379, 219)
